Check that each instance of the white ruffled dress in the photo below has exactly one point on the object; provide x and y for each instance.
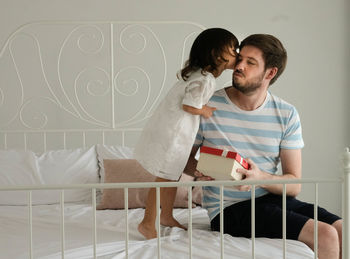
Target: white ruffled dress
(167, 138)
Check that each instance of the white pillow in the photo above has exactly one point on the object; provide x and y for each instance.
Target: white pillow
(75, 166)
(111, 152)
(17, 168)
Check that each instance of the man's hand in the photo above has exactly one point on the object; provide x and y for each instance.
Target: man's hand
(253, 173)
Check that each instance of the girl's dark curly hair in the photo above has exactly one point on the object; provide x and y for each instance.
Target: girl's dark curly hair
(207, 47)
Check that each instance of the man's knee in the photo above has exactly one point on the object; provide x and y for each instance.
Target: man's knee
(327, 236)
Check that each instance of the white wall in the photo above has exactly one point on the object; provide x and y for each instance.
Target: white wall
(314, 33)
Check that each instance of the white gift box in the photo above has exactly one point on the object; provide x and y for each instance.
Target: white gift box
(220, 164)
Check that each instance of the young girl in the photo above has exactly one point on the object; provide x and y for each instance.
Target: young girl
(166, 141)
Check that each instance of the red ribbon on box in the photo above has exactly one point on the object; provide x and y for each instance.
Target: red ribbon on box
(228, 154)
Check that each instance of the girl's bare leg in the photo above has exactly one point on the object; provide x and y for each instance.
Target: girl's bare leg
(147, 225)
(167, 198)
(167, 203)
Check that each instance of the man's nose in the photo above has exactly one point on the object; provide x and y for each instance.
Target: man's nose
(238, 66)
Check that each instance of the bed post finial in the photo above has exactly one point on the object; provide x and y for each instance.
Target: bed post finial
(346, 204)
(346, 161)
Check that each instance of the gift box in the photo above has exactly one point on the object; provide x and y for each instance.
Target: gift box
(220, 164)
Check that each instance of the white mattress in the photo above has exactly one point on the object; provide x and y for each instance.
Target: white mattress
(14, 231)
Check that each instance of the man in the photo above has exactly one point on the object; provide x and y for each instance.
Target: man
(266, 130)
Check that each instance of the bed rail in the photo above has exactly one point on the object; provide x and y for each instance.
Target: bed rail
(189, 185)
(45, 139)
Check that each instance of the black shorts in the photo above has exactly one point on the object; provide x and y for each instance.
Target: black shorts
(268, 217)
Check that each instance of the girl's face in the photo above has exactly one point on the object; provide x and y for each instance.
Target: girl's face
(230, 55)
(227, 61)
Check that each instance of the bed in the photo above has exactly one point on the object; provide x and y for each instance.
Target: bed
(73, 98)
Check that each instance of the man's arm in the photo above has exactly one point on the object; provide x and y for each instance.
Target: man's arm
(291, 168)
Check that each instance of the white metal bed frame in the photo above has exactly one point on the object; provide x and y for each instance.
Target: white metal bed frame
(24, 130)
(189, 185)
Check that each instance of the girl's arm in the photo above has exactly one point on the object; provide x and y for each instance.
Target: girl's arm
(191, 165)
(206, 111)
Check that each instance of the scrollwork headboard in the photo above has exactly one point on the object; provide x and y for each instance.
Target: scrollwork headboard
(72, 84)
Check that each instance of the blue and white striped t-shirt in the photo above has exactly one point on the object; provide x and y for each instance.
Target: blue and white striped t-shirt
(258, 135)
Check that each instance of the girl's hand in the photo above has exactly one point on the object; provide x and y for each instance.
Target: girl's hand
(207, 111)
(201, 177)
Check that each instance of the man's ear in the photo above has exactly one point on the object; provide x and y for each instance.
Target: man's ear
(271, 72)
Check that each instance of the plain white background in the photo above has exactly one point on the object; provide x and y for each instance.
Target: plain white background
(314, 32)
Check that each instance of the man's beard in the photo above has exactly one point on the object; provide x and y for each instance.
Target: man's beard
(250, 86)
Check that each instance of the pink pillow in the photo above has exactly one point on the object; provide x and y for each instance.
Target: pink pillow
(129, 170)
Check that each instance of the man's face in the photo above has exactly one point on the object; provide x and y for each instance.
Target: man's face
(249, 70)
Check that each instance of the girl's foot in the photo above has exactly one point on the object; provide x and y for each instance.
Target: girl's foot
(146, 231)
(171, 222)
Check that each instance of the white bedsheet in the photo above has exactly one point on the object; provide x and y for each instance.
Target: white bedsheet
(14, 231)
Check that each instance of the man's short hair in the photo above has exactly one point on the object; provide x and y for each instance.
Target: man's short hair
(274, 54)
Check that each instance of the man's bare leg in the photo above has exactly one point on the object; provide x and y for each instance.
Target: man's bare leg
(328, 241)
(339, 227)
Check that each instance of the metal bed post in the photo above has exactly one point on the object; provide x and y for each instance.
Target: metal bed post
(284, 219)
(64, 140)
(25, 141)
(346, 205)
(316, 222)
(62, 224)
(126, 206)
(158, 222)
(222, 221)
(30, 219)
(84, 139)
(93, 192)
(5, 141)
(111, 30)
(189, 230)
(253, 219)
(45, 141)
